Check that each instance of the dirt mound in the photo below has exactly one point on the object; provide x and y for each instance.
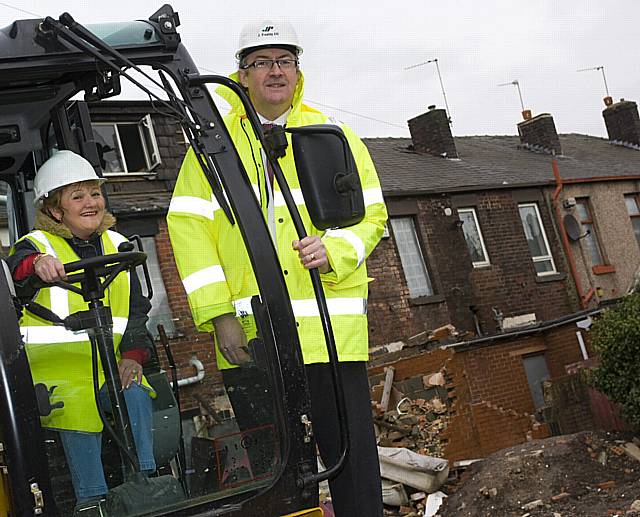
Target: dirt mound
(583, 474)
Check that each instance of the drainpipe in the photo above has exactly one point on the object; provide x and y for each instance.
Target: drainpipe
(197, 364)
(584, 298)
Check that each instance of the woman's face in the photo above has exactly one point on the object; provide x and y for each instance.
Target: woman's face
(81, 208)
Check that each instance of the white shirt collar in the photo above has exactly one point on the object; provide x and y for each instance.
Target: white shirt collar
(280, 121)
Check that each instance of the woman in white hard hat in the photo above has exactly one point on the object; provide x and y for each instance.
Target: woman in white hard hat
(72, 224)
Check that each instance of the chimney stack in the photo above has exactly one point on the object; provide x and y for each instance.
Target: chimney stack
(623, 123)
(431, 133)
(540, 132)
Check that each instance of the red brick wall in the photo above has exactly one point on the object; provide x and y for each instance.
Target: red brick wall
(490, 404)
(510, 283)
(191, 342)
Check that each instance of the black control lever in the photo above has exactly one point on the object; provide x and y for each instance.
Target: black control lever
(145, 268)
(43, 397)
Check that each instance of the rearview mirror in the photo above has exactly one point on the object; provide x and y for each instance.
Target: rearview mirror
(328, 176)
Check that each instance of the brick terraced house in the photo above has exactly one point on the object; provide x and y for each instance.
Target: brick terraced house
(479, 237)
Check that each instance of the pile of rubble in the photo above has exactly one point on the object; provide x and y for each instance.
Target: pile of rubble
(413, 424)
(409, 417)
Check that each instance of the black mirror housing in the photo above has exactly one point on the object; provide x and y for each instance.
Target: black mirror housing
(328, 176)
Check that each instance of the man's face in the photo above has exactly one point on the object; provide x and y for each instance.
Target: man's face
(270, 88)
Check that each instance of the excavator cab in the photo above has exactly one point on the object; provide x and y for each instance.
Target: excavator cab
(264, 465)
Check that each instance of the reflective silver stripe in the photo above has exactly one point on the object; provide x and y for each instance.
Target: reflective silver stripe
(337, 307)
(42, 239)
(243, 307)
(194, 206)
(59, 301)
(116, 238)
(206, 276)
(49, 334)
(352, 239)
(372, 196)
(296, 193)
(309, 307)
(256, 190)
(58, 297)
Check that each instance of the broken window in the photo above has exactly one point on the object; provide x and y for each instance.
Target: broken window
(536, 239)
(633, 207)
(535, 366)
(473, 236)
(127, 147)
(413, 265)
(590, 239)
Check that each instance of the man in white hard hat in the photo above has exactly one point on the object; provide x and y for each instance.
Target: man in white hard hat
(218, 276)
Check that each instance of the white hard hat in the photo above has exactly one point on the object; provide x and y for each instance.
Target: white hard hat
(267, 34)
(63, 168)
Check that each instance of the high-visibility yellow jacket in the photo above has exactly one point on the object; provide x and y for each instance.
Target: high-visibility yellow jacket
(214, 264)
(61, 358)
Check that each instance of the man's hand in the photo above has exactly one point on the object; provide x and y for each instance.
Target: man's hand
(49, 269)
(129, 371)
(312, 253)
(231, 339)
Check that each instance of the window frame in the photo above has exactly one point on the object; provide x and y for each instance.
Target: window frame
(635, 196)
(146, 129)
(590, 224)
(540, 258)
(418, 243)
(487, 261)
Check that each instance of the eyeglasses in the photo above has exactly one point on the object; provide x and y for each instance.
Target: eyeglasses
(286, 63)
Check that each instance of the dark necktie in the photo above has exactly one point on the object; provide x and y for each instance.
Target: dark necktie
(266, 127)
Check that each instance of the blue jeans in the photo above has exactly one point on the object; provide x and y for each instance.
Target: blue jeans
(83, 449)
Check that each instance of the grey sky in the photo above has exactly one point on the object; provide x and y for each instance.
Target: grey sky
(356, 52)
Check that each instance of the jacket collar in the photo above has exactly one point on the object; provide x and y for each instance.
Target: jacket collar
(297, 105)
(47, 224)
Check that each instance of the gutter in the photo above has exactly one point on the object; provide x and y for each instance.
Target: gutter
(584, 298)
(534, 329)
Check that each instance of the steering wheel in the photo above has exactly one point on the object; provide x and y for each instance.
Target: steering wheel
(103, 265)
(108, 266)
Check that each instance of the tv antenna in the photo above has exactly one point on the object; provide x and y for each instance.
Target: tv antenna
(526, 114)
(604, 78)
(444, 95)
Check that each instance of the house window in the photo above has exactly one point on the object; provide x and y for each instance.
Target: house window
(591, 238)
(535, 366)
(633, 207)
(536, 239)
(473, 236)
(160, 312)
(415, 271)
(127, 147)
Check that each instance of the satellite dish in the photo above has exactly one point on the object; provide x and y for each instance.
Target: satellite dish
(572, 227)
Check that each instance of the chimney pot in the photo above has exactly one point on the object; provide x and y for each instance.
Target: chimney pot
(608, 101)
(526, 115)
(432, 107)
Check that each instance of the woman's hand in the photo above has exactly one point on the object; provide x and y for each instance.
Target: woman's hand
(49, 269)
(312, 253)
(130, 371)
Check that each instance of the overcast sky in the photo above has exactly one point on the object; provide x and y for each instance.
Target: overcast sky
(356, 52)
